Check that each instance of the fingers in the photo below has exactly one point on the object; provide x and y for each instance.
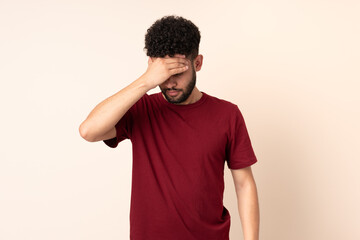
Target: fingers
(172, 62)
(177, 60)
(176, 56)
(168, 59)
(178, 70)
(177, 65)
(180, 55)
(173, 65)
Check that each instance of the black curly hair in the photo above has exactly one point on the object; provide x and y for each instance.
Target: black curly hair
(172, 35)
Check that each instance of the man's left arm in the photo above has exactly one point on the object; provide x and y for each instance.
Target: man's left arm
(248, 203)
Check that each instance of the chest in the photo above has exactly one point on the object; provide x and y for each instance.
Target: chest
(187, 133)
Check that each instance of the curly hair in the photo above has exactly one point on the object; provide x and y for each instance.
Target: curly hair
(172, 35)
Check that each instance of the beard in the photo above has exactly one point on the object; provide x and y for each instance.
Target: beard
(184, 94)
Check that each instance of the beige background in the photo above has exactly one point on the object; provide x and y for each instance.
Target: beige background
(292, 67)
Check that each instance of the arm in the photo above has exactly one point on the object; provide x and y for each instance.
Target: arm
(248, 204)
(100, 124)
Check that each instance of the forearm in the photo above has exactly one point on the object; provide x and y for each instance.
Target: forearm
(248, 206)
(103, 118)
(108, 112)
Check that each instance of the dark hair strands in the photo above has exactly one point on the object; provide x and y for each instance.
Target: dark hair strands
(172, 35)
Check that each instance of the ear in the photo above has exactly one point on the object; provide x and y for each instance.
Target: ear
(198, 61)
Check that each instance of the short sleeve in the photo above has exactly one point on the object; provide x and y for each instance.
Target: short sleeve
(124, 127)
(123, 130)
(239, 151)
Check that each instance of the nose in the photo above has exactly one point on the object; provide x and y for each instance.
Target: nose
(170, 83)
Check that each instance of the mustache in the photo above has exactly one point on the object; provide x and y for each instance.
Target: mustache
(175, 89)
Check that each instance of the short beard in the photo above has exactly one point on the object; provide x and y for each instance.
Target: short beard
(188, 90)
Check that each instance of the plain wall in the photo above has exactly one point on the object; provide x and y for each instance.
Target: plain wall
(292, 67)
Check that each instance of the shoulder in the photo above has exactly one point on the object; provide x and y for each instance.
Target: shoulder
(146, 99)
(225, 110)
(146, 103)
(222, 104)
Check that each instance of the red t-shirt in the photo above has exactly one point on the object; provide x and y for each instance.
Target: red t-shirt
(179, 153)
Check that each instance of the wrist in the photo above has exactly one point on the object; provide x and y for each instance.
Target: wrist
(145, 83)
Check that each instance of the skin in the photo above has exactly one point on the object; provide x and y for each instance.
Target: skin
(181, 95)
(247, 201)
(183, 82)
(177, 73)
(100, 123)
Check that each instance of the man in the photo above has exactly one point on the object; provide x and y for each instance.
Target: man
(181, 138)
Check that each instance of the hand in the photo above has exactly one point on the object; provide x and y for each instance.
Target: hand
(160, 69)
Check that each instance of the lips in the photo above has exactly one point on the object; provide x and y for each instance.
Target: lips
(173, 92)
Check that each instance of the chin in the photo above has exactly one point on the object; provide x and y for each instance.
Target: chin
(177, 100)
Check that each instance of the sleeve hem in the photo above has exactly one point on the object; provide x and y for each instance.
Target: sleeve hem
(111, 142)
(242, 165)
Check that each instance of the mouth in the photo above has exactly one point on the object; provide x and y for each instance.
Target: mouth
(173, 93)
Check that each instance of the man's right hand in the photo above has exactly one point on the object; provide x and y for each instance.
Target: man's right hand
(100, 123)
(161, 69)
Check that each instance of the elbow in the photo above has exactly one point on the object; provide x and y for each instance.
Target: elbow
(247, 185)
(85, 133)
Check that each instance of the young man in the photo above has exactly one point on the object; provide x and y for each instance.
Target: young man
(181, 139)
